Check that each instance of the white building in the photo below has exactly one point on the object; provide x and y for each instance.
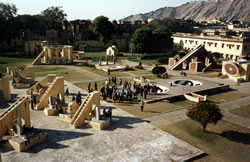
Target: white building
(232, 47)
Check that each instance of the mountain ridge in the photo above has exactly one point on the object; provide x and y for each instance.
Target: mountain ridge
(227, 10)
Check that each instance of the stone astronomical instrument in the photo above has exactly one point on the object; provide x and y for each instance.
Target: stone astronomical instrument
(232, 69)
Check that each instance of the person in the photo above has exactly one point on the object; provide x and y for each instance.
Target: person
(142, 105)
(145, 93)
(95, 86)
(102, 90)
(104, 112)
(89, 87)
(110, 113)
(73, 97)
(67, 92)
(120, 82)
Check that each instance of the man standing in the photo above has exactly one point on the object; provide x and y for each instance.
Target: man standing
(142, 105)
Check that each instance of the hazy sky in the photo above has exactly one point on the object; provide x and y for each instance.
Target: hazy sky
(89, 9)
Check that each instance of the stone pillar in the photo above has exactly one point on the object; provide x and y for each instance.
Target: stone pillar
(107, 60)
(97, 113)
(70, 54)
(19, 126)
(45, 56)
(57, 55)
(50, 55)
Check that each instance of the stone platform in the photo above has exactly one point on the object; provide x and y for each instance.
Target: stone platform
(207, 87)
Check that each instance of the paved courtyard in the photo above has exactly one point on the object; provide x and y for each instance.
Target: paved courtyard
(126, 139)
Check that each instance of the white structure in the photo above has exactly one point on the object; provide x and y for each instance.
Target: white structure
(232, 47)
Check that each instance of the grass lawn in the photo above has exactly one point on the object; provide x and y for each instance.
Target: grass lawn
(185, 104)
(140, 72)
(105, 74)
(149, 109)
(228, 142)
(242, 111)
(12, 62)
(210, 74)
(47, 68)
(70, 75)
(227, 96)
(95, 54)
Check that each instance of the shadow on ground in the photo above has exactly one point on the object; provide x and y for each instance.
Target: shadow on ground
(234, 136)
(239, 137)
(55, 136)
(6, 104)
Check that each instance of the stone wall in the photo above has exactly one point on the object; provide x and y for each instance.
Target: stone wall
(5, 94)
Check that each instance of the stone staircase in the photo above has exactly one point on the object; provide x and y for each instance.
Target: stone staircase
(81, 113)
(43, 101)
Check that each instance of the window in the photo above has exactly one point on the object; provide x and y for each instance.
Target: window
(215, 45)
(222, 45)
(238, 47)
(185, 41)
(196, 42)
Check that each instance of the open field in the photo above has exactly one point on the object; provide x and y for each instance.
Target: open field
(226, 142)
(12, 62)
(242, 111)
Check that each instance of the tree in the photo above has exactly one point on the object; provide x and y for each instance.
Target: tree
(204, 113)
(140, 41)
(7, 25)
(32, 22)
(54, 17)
(7, 11)
(158, 70)
(103, 28)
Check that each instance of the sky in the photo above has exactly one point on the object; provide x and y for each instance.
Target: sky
(83, 9)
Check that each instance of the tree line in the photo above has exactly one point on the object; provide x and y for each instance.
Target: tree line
(154, 38)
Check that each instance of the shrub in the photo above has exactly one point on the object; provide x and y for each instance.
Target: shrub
(158, 70)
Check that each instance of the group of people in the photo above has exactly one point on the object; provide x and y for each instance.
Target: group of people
(123, 91)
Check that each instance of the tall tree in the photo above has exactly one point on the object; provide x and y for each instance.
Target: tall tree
(103, 28)
(141, 40)
(7, 25)
(204, 113)
(7, 11)
(54, 17)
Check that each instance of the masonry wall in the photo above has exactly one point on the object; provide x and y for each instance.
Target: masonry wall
(20, 109)
(5, 94)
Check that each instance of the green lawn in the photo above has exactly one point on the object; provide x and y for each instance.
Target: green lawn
(95, 54)
(242, 111)
(12, 62)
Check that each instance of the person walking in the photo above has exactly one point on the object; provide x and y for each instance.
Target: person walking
(95, 86)
(141, 105)
(67, 92)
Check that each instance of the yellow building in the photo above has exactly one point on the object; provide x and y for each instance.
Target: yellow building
(232, 46)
